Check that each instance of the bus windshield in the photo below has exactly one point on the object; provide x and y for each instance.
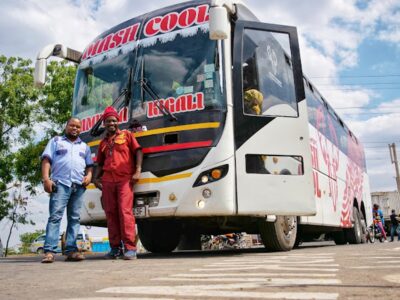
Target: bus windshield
(182, 68)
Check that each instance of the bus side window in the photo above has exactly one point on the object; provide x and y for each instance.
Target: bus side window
(268, 83)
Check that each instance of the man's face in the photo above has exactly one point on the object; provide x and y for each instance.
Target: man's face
(73, 128)
(111, 124)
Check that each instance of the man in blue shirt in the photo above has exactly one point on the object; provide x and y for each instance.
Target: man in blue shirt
(69, 161)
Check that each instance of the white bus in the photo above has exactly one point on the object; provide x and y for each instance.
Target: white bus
(235, 137)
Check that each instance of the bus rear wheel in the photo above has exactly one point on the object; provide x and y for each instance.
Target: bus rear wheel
(354, 235)
(279, 235)
(160, 236)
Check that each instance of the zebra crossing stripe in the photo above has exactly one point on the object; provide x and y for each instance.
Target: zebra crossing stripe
(372, 267)
(260, 261)
(268, 267)
(215, 291)
(191, 275)
(274, 262)
(114, 298)
(268, 281)
(378, 257)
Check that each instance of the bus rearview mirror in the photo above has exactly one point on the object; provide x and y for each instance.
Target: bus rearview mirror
(219, 23)
(40, 72)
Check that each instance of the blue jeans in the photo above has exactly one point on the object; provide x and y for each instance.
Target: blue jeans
(71, 198)
(392, 231)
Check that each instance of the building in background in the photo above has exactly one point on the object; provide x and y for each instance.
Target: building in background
(387, 201)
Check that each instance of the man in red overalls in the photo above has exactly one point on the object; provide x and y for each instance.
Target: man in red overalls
(119, 159)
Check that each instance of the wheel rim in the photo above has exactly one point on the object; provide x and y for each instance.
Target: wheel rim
(287, 224)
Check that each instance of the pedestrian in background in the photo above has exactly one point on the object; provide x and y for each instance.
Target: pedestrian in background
(379, 220)
(394, 227)
(66, 171)
(119, 163)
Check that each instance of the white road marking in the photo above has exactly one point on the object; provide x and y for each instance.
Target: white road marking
(214, 291)
(384, 262)
(113, 298)
(373, 267)
(267, 281)
(191, 275)
(393, 249)
(316, 263)
(269, 267)
(379, 257)
(395, 278)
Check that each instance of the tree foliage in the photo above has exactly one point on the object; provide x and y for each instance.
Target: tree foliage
(28, 118)
(28, 238)
(18, 99)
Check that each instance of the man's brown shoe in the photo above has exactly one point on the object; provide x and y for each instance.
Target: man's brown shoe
(75, 256)
(48, 258)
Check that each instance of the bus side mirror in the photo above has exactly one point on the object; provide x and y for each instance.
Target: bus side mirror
(40, 72)
(219, 23)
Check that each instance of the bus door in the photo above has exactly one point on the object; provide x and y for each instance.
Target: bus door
(272, 149)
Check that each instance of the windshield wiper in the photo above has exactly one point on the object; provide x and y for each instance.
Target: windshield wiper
(144, 86)
(158, 103)
(96, 129)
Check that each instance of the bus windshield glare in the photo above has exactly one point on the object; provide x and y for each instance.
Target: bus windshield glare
(182, 68)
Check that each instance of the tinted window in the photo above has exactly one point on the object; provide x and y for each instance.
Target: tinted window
(268, 84)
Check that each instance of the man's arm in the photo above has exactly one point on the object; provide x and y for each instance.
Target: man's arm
(89, 167)
(138, 167)
(88, 177)
(47, 182)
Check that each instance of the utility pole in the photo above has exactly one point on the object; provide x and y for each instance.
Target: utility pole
(393, 158)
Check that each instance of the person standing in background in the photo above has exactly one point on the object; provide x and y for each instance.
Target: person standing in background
(394, 227)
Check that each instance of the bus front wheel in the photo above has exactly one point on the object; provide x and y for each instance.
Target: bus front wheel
(279, 235)
(160, 236)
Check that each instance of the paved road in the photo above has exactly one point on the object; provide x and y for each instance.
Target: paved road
(315, 271)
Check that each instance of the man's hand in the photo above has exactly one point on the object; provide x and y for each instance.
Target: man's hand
(135, 177)
(98, 184)
(86, 180)
(48, 185)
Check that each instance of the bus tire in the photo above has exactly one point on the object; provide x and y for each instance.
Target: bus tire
(279, 235)
(364, 230)
(339, 238)
(354, 234)
(160, 236)
(190, 241)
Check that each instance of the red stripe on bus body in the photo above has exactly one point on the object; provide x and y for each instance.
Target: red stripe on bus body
(181, 146)
(172, 147)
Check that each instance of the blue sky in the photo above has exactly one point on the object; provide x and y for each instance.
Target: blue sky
(344, 44)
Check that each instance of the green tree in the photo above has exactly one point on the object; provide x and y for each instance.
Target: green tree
(18, 102)
(28, 238)
(21, 107)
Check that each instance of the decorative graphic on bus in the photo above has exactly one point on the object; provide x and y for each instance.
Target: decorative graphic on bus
(353, 190)
(88, 122)
(111, 41)
(162, 24)
(315, 166)
(181, 104)
(330, 152)
(169, 22)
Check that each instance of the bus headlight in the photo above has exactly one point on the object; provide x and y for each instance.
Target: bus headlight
(211, 175)
(204, 179)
